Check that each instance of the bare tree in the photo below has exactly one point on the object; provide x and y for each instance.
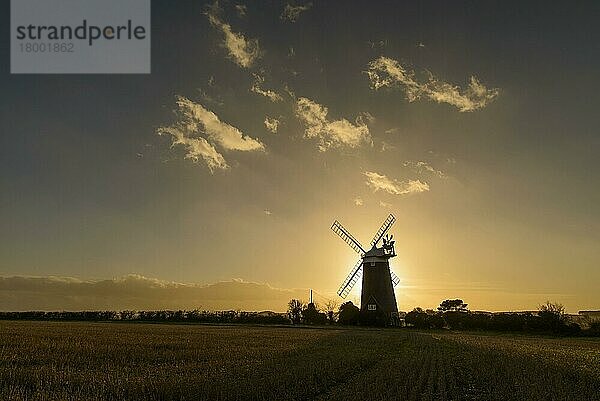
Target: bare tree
(552, 316)
(552, 307)
(330, 307)
(295, 307)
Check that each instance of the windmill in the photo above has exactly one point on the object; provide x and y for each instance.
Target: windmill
(377, 299)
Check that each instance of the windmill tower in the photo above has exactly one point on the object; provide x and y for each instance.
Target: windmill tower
(377, 299)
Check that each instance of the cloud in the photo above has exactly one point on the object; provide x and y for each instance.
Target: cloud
(194, 120)
(377, 44)
(269, 94)
(196, 148)
(380, 182)
(387, 146)
(386, 72)
(227, 136)
(421, 167)
(209, 99)
(137, 292)
(385, 204)
(414, 186)
(241, 10)
(272, 124)
(241, 50)
(358, 202)
(267, 212)
(289, 91)
(331, 134)
(291, 13)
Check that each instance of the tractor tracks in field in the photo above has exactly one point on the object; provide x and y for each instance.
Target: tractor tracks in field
(418, 367)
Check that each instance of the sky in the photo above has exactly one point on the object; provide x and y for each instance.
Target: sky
(474, 123)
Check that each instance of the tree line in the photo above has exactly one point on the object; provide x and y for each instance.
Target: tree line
(179, 316)
(454, 314)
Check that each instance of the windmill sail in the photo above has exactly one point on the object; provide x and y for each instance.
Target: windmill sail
(347, 237)
(383, 229)
(395, 279)
(352, 278)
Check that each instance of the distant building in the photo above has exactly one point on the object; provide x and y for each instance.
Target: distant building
(268, 313)
(521, 312)
(482, 312)
(591, 315)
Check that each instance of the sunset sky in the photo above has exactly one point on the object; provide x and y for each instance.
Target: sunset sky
(475, 124)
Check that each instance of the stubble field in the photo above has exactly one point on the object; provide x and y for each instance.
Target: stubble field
(126, 361)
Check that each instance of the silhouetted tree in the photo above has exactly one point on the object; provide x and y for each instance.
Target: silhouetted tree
(311, 315)
(348, 314)
(593, 329)
(477, 321)
(330, 307)
(552, 316)
(428, 319)
(435, 321)
(506, 321)
(554, 308)
(128, 315)
(455, 320)
(295, 307)
(453, 305)
(417, 318)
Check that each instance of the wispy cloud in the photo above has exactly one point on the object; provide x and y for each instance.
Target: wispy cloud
(227, 136)
(241, 10)
(291, 13)
(387, 146)
(196, 147)
(207, 98)
(385, 204)
(269, 94)
(242, 51)
(195, 120)
(272, 124)
(267, 212)
(377, 44)
(289, 91)
(380, 182)
(358, 201)
(387, 72)
(331, 133)
(421, 167)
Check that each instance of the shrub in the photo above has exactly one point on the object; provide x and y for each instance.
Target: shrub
(349, 314)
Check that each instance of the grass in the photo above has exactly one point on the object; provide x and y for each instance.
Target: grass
(111, 361)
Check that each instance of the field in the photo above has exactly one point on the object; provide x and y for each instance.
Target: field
(128, 361)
